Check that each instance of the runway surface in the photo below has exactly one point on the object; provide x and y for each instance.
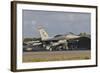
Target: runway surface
(56, 55)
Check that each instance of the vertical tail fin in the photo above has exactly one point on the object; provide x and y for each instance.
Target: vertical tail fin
(43, 33)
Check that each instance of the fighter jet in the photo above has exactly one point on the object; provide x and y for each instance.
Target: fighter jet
(55, 43)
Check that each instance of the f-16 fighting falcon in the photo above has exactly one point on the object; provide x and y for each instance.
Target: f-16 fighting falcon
(52, 43)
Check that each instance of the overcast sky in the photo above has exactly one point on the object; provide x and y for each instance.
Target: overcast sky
(54, 22)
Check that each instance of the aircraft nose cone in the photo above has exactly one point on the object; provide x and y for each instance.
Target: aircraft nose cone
(72, 36)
